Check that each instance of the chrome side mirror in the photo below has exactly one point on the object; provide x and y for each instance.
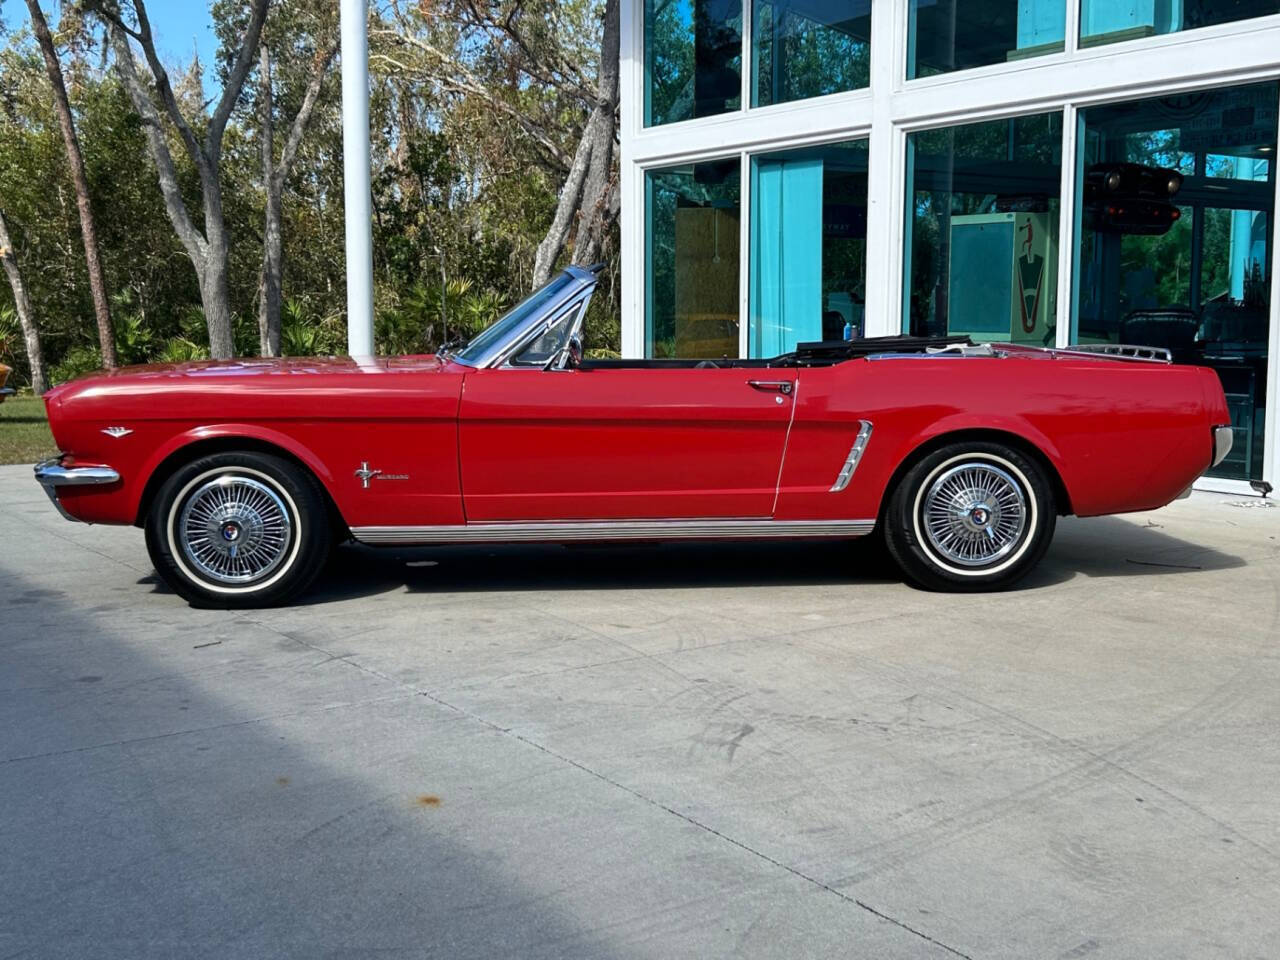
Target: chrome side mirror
(573, 353)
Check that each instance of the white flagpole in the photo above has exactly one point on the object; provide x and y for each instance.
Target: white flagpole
(355, 162)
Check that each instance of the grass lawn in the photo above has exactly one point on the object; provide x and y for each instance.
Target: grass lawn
(24, 431)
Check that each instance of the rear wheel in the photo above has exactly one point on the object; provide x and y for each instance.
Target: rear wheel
(970, 517)
(239, 530)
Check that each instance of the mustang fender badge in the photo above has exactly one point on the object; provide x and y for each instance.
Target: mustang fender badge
(365, 475)
(117, 432)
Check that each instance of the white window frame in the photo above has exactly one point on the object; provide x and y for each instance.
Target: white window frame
(1225, 55)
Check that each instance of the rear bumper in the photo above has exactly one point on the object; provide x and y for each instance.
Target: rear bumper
(1223, 440)
(52, 475)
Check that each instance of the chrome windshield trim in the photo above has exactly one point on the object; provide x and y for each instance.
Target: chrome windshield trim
(584, 285)
(855, 457)
(612, 530)
(575, 307)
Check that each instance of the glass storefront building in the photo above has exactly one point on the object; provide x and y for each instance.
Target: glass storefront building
(1038, 171)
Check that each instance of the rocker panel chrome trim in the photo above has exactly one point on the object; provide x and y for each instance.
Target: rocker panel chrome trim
(613, 530)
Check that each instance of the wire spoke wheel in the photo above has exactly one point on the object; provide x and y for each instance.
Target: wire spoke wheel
(235, 530)
(975, 514)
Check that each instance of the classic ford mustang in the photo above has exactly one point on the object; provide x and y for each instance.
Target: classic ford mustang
(244, 474)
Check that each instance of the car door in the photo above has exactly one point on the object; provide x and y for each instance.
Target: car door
(612, 443)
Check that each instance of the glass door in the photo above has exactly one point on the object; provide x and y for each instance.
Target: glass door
(1175, 204)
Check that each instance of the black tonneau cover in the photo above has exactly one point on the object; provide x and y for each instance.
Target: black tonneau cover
(825, 352)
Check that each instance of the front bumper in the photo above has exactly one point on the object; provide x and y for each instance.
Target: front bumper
(52, 475)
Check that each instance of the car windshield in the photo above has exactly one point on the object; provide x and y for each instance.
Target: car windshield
(514, 319)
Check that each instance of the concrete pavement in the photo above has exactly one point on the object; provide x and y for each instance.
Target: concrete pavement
(759, 751)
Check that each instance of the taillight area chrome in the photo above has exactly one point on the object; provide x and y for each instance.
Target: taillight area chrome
(1223, 439)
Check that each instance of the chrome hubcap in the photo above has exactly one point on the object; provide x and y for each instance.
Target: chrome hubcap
(235, 530)
(975, 514)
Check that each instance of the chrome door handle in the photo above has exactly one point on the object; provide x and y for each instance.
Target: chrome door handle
(773, 386)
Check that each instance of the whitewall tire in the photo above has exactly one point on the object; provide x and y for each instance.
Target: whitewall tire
(970, 517)
(239, 529)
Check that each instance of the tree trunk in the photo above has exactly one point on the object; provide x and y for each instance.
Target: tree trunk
(208, 251)
(217, 304)
(272, 241)
(601, 183)
(75, 160)
(566, 209)
(274, 176)
(272, 272)
(215, 296)
(587, 197)
(35, 359)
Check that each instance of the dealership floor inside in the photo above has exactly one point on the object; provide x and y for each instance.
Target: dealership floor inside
(696, 751)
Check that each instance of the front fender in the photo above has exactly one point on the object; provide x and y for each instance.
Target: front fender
(139, 484)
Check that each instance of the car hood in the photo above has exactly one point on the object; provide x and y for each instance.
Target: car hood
(244, 369)
(267, 366)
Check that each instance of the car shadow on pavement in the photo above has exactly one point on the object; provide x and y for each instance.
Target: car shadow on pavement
(1101, 547)
(160, 800)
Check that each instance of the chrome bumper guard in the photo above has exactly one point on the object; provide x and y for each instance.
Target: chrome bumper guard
(1223, 439)
(51, 475)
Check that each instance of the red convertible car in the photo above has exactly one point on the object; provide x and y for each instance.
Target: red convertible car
(244, 474)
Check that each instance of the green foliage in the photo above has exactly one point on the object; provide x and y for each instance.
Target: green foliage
(182, 350)
(76, 362)
(461, 191)
(426, 317)
(135, 342)
(303, 334)
(10, 337)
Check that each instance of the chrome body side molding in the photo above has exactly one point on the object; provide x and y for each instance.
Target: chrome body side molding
(51, 475)
(855, 456)
(612, 530)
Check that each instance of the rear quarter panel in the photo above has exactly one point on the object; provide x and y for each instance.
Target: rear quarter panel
(1123, 436)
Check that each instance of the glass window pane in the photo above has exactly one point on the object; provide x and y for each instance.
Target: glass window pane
(946, 35)
(808, 246)
(1107, 21)
(982, 230)
(1188, 270)
(693, 59)
(808, 48)
(691, 273)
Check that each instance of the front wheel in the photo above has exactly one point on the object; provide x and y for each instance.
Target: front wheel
(970, 517)
(241, 529)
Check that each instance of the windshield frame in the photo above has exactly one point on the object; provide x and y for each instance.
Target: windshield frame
(533, 313)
